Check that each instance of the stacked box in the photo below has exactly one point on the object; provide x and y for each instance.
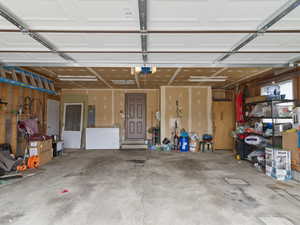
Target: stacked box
(282, 165)
(43, 149)
(290, 142)
(269, 161)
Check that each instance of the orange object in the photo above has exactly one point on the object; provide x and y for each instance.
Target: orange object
(33, 162)
(22, 167)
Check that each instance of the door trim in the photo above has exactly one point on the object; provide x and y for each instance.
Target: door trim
(81, 119)
(145, 118)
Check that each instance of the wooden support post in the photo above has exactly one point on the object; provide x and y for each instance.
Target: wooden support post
(46, 84)
(3, 96)
(32, 81)
(52, 87)
(40, 83)
(24, 79)
(14, 75)
(14, 121)
(2, 72)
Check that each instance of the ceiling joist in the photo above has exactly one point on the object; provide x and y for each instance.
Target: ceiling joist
(248, 77)
(178, 70)
(99, 76)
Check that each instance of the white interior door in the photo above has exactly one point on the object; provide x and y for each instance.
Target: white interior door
(72, 126)
(52, 117)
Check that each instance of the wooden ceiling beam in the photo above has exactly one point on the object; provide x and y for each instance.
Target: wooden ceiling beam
(99, 76)
(248, 77)
(136, 77)
(174, 75)
(55, 75)
(222, 70)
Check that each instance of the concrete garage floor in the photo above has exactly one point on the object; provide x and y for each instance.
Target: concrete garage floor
(116, 188)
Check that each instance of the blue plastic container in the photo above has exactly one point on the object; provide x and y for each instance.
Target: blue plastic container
(184, 144)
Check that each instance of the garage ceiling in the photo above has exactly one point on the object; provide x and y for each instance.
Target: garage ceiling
(182, 38)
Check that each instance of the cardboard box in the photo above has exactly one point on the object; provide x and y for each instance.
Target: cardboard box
(46, 144)
(43, 149)
(255, 99)
(290, 142)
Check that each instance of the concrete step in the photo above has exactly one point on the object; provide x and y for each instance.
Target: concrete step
(134, 142)
(134, 146)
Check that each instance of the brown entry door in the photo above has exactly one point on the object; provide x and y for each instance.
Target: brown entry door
(135, 116)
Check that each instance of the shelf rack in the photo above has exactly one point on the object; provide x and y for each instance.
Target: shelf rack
(271, 102)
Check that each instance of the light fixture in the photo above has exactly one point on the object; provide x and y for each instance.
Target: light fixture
(77, 79)
(208, 77)
(207, 80)
(86, 77)
(123, 82)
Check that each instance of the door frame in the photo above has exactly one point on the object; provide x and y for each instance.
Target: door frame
(145, 117)
(81, 119)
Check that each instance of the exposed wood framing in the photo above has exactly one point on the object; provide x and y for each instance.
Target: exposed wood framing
(282, 71)
(136, 76)
(248, 77)
(174, 75)
(14, 121)
(98, 76)
(55, 75)
(220, 71)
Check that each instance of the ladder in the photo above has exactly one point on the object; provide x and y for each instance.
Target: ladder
(19, 77)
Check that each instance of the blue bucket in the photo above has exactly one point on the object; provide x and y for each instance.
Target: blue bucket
(184, 144)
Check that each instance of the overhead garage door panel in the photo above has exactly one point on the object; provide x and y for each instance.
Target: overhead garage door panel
(94, 41)
(275, 42)
(18, 41)
(193, 42)
(261, 58)
(106, 57)
(31, 58)
(198, 14)
(76, 14)
(182, 58)
(290, 21)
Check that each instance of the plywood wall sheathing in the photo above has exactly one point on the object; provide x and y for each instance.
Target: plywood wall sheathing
(15, 95)
(110, 105)
(195, 106)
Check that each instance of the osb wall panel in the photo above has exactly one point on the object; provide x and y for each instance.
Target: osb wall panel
(201, 110)
(171, 96)
(110, 106)
(15, 96)
(195, 107)
(103, 103)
